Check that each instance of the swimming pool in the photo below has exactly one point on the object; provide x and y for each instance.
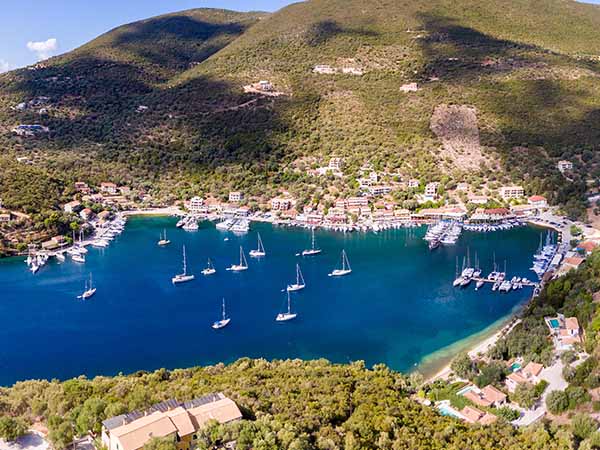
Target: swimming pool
(447, 410)
(554, 323)
(515, 366)
(464, 390)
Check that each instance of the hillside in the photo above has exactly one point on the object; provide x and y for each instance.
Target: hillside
(286, 405)
(160, 103)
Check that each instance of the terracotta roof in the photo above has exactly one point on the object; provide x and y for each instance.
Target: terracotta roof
(135, 434)
(474, 415)
(571, 323)
(536, 198)
(588, 246)
(182, 420)
(493, 394)
(517, 378)
(533, 369)
(497, 211)
(476, 398)
(224, 410)
(574, 261)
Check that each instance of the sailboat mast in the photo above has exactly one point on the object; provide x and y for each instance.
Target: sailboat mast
(289, 303)
(184, 262)
(223, 308)
(313, 238)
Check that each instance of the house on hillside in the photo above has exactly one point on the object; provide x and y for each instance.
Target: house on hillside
(564, 166)
(487, 397)
(196, 204)
(511, 192)
(235, 196)
(538, 201)
(179, 421)
(474, 415)
(527, 375)
(108, 188)
(324, 69)
(72, 207)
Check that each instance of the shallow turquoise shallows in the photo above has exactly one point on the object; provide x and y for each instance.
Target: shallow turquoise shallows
(396, 307)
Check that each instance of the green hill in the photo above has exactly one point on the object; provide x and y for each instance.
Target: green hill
(160, 103)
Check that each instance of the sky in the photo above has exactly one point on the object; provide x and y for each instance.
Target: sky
(31, 30)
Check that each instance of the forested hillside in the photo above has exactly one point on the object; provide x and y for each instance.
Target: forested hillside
(161, 102)
(286, 405)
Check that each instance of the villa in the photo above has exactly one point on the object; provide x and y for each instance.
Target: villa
(179, 421)
(324, 69)
(565, 332)
(474, 415)
(380, 190)
(82, 187)
(487, 397)
(537, 201)
(413, 183)
(527, 375)
(564, 166)
(5, 217)
(29, 130)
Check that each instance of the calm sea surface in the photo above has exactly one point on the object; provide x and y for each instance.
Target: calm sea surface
(396, 307)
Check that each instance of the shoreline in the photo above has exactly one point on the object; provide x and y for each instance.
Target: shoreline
(436, 365)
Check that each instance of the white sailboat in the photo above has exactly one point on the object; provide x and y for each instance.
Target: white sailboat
(89, 291)
(300, 284)
(183, 277)
(210, 269)
(260, 251)
(313, 250)
(224, 320)
(78, 258)
(284, 317)
(163, 239)
(60, 256)
(243, 265)
(345, 270)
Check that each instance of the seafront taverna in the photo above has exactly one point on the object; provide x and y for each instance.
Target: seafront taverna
(169, 419)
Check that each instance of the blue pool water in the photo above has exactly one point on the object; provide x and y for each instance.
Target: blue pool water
(396, 307)
(554, 323)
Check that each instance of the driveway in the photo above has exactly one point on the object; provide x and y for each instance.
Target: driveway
(556, 382)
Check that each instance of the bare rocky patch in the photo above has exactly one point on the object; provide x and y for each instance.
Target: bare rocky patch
(456, 126)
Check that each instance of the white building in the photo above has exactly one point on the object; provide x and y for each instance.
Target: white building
(413, 183)
(196, 204)
(431, 191)
(510, 192)
(281, 204)
(324, 69)
(108, 188)
(380, 190)
(72, 207)
(564, 165)
(336, 164)
(235, 196)
(265, 85)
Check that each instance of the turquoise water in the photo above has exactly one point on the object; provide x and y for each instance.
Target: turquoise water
(396, 307)
(448, 411)
(554, 323)
(514, 367)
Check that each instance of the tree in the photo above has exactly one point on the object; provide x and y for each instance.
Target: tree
(164, 443)
(463, 366)
(583, 426)
(11, 428)
(525, 395)
(557, 402)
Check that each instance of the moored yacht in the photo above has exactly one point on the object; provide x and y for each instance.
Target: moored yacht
(299, 284)
(284, 317)
(163, 239)
(183, 277)
(89, 291)
(260, 251)
(224, 319)
(243, 265)
(345, 270)
(313, 250)
(210, 269)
